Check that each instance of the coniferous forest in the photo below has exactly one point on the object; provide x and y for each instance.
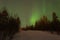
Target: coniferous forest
(46, 25)
(8, 25)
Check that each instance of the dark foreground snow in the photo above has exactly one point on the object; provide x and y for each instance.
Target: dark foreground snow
(35, 35)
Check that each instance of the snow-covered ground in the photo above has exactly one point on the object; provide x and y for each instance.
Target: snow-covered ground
(35, 35)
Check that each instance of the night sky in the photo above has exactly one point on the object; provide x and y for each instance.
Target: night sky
(30, 11)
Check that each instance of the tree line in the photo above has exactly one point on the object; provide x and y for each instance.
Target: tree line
(46, 25)
(8, 24)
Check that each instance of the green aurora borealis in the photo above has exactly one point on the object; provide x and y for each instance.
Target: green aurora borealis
(35, 14)
(35, 11)
(30, 11)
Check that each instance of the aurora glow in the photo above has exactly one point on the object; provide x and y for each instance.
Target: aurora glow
(30, 11)
(34, 17)
(35, 14)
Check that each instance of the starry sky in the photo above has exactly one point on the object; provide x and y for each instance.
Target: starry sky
(30, 11)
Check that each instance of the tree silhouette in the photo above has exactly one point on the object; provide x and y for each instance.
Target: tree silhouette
(8, 25)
